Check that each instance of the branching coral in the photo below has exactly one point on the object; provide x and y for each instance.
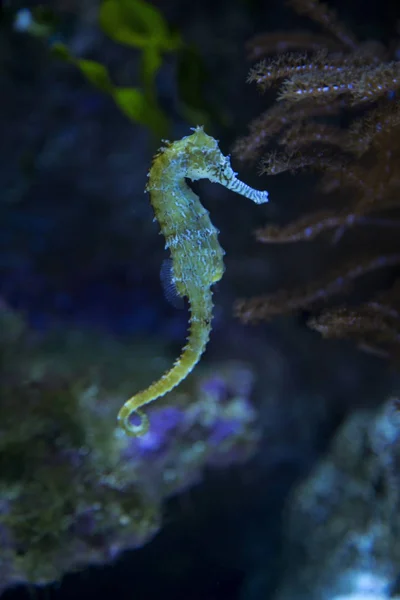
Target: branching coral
(335, 79)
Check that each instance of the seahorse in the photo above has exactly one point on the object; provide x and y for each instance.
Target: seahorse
(192, 240)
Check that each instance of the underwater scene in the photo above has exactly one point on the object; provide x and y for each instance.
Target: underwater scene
(200, 300)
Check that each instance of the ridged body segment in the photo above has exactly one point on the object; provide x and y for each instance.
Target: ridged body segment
(192, 241)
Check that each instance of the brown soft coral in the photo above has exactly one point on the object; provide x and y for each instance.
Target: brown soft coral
(335, 77)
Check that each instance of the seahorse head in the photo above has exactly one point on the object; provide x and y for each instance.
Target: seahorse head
(206, 159)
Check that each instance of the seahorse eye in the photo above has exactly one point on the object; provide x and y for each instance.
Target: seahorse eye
(225, 169)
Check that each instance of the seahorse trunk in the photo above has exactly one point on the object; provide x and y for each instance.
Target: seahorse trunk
(199, 333)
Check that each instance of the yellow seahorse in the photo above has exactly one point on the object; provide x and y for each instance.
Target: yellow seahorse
(197, 257)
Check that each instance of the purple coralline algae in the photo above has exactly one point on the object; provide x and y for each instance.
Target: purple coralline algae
(75, 490)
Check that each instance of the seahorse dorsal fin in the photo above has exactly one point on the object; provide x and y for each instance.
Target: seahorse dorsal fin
(168, 284)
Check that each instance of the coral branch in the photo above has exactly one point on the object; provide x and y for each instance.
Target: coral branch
(263, 308)
(334, 75)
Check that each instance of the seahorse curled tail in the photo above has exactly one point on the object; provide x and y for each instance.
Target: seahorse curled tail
(199, 333)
